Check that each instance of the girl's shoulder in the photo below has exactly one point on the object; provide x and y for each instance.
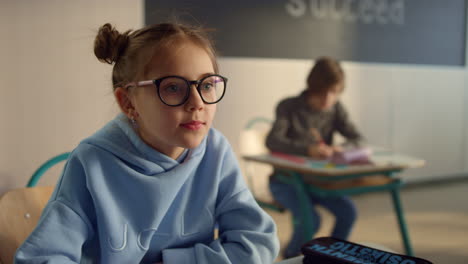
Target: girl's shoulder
(217, 142)
(216, 137)
(85, 152)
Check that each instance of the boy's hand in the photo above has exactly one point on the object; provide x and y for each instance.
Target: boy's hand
(320, 151)
(337, 149)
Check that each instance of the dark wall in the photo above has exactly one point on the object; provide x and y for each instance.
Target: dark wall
(384, 31)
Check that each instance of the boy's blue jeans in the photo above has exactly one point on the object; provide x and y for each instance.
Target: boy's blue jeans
(341, 207)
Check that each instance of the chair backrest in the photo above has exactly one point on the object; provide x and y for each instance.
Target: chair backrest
(45, 166)
(252, 137)
(252, 142)
(20, 211)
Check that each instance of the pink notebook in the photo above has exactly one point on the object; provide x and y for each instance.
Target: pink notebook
(358, 155)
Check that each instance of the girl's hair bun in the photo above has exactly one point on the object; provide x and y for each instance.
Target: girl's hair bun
(109, 44)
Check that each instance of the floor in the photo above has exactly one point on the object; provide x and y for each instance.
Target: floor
(436, 214)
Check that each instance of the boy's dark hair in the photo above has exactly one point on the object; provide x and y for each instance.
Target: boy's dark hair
(326, 73)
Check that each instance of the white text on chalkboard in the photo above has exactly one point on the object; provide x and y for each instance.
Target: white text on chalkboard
(382, 12)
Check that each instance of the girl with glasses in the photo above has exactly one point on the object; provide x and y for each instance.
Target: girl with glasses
(152, 185)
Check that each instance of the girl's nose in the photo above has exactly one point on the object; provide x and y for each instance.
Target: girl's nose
(194, 102)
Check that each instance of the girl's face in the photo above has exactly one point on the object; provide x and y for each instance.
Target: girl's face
(170, 129)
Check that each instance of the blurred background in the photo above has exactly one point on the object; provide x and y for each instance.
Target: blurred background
(405, 63)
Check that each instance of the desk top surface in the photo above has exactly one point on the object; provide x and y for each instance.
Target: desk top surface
(296, 260)
(381, 161)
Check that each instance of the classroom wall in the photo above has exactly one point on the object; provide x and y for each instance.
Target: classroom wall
(54, 92)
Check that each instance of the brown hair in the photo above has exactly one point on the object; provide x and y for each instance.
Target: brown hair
(131, 51)
(326, 73)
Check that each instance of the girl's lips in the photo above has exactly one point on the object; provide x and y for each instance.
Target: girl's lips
(193, 125)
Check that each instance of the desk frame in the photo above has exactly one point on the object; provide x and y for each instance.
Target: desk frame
(293, 175)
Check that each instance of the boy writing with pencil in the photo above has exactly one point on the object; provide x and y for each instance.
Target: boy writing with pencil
(304, 126)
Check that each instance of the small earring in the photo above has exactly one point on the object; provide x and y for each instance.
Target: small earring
(132, 117)
(133, 121)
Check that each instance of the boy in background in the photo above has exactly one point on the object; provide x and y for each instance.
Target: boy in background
(305, 125)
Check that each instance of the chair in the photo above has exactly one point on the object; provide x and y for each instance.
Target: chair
(21, 209)
(252, 142)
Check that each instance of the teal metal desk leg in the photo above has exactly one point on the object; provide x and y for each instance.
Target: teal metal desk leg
(305, 205)
(401, 221)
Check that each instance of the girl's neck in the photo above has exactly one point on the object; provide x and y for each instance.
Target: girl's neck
(173, 152)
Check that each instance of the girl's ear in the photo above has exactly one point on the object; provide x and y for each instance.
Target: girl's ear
(123, 99)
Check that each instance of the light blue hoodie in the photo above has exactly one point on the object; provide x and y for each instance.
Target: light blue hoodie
(120, 201)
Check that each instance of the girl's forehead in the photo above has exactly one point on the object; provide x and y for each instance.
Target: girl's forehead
(185, 58)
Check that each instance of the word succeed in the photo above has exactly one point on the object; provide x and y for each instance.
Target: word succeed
(365, 11)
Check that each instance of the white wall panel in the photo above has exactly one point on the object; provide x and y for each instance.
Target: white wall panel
(429, 119)
(54, 91)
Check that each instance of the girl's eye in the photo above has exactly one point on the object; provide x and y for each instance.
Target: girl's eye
(172, 88)
(207, 86)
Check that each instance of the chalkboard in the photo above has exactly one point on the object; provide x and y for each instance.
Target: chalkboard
(382, 31)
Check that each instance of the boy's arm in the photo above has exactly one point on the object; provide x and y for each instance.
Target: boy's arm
(246, 233)
(62, 229)
(345, 127)
(278, 140)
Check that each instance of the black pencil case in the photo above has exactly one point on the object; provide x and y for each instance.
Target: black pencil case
(329, 250)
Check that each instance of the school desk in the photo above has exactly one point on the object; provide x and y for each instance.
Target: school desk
(296, 260)
(327, 180)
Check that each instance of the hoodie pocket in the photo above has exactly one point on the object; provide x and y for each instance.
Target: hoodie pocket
(197, 222)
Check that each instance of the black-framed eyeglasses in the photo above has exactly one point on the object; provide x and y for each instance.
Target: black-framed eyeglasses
(175, 90)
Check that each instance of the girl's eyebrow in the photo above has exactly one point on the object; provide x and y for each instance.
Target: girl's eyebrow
(206, 74)
(200, 77)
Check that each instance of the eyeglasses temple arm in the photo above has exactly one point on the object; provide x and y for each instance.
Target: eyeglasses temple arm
(143, 83)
